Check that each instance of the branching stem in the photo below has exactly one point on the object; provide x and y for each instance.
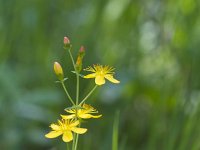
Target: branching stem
(67, 93)
(86, 97)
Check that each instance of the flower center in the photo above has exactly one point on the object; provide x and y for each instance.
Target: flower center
(65, 127)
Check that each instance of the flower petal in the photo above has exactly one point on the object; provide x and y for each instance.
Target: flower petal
(99, 80)
(53, 134)
(111, 79)
(68, 116)
(87, 116)
(96, 116)
(92, 75)
(79, 130)
(89, 69)
(67, 136)
(55, 126)
(71, 111)
(73, 124)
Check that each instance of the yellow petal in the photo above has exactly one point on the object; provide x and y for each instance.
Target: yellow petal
(73, 124)
(97, 116)
(87, 116)
(111, 79)
(89, 69)
(53, 134)
(67, 136)
(55, 127)
(68, 116)
(92, 75)
(85, 106)
(71, 111)
(79, 130)
(60, 123)
(99, 80)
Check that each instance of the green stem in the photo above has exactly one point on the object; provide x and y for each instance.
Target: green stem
(63, 85)
(115, 131)
(76, 142)
(70, 54)
(67, 146)
(77, 97)
(88, 95)
(77, 76)
(77, 88)
(73, 144)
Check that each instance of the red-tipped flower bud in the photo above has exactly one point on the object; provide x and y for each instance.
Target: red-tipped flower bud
(79, 60)
(82, 49)
(58, 71)
(66, 40)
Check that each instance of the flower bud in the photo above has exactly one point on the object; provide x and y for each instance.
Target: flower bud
(81, 52)
(79, 60)
(66, 40)
(82, 49)
(58, 71)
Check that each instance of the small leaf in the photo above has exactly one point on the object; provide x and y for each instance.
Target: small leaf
(65, 79)
(57, 81)
(62, 80)
(74, 107)
(81, 75)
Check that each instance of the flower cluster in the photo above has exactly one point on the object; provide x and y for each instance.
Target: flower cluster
(69, 126)
(68, 123)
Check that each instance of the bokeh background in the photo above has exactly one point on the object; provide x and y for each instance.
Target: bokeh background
(154, 46)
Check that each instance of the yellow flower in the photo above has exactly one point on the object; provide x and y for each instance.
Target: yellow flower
(65, 127)
(100, 73)
(85, 113)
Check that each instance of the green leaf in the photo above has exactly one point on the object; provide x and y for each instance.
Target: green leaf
(62, 80)
(65, 79)
(115, 131)
(74, 107)
(81, 75)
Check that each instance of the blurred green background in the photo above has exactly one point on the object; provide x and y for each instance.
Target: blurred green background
(154, 46)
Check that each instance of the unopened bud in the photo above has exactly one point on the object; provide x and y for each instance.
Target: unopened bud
(82, 49)
(79, 60)
(66, 40)
(58, 71)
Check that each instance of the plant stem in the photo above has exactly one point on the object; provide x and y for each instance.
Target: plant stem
(76, 142)
(63, 85)
(77, 88)
(68, 146)
(77, 76)
(70, 54)
(115, 131)
(88, 95)
(73, 144)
